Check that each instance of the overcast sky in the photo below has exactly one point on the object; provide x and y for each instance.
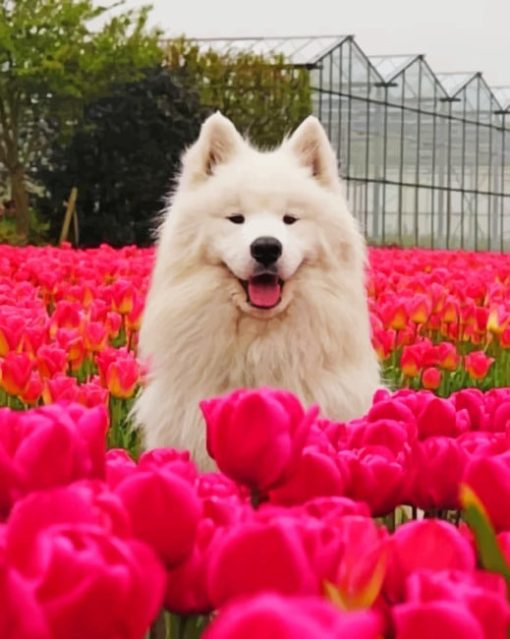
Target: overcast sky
(455, 35)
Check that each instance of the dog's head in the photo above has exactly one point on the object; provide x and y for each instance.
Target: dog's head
(264, 220)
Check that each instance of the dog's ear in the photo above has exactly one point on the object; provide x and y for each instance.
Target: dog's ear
(310, 144)
(217, 143)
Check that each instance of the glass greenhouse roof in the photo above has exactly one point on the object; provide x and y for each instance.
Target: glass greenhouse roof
(310, 50)
(453, 82)
(388, 66)
(299, 50)
(502, 95)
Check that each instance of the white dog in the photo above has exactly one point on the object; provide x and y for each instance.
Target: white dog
(259, 281)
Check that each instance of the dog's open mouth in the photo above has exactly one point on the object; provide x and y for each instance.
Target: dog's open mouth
(263, 291)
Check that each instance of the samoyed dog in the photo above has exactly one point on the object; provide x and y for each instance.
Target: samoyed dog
(258, 281)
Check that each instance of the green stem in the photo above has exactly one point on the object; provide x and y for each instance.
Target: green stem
(255, 498)
(390, 521)
(158, 629)
(114, 434)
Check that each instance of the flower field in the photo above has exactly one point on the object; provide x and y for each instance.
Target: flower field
(395, 525)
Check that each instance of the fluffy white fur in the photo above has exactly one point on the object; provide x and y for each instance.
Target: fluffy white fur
(200, 335)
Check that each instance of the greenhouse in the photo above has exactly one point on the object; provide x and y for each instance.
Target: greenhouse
(425, 155)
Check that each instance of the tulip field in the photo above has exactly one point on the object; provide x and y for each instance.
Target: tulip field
(395, 525)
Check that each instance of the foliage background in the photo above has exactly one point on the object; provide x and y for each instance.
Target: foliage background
(109, 110)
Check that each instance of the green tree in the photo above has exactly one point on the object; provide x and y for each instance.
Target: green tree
(121, 158)
(53, 60)
(264, 95)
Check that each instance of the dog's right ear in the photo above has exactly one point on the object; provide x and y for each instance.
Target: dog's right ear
(217, 143)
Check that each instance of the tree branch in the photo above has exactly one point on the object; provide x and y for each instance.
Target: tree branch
(5, 125)
(3, 155)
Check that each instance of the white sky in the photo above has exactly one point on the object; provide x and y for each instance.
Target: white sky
(455, 35)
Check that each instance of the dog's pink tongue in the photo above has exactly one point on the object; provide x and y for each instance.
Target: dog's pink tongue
(264, 294)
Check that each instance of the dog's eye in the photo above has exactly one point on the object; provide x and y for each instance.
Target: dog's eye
(236, 219)
(289, 219)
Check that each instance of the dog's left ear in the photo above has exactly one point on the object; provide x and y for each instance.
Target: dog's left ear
(310, 144)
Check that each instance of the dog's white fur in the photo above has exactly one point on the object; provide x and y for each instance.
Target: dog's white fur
(200, 335)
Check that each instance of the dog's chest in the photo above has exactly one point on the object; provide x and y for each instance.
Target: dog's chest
(268, 355)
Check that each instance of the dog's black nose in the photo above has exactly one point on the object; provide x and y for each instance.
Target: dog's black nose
(266, 250)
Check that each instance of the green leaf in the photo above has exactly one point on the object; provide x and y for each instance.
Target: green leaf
(487, 545)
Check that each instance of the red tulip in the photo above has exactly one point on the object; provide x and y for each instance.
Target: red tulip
(134, 318)
(411, 361)
(477, 364)
(419, 309)
(51, 361)
(66, 315)
(33, 390)
(498, 320)
(394, 315)
(384, 342)
(95, 336)
(92, 394)
(32, 339)
(123, 295)
(450, 311)
(504, 338)
(72, 342)
(16, 373)
(113, 323)
(431, 378)
(256, 436)
(11, 333)
(119, 372)
(61, 388)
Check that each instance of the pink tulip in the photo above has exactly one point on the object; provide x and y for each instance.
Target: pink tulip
(256, 436)
(255, 557)
(316, 475)
(164, 511)
(85, 578)
(442, 620)
(22, 617)
(269, 615)
(489, 478)
(438, 417)
(377, 477)
(437, 469)
(483, 594)
(426, 544)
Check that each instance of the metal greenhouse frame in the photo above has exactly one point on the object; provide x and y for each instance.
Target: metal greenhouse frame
(425, 155)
